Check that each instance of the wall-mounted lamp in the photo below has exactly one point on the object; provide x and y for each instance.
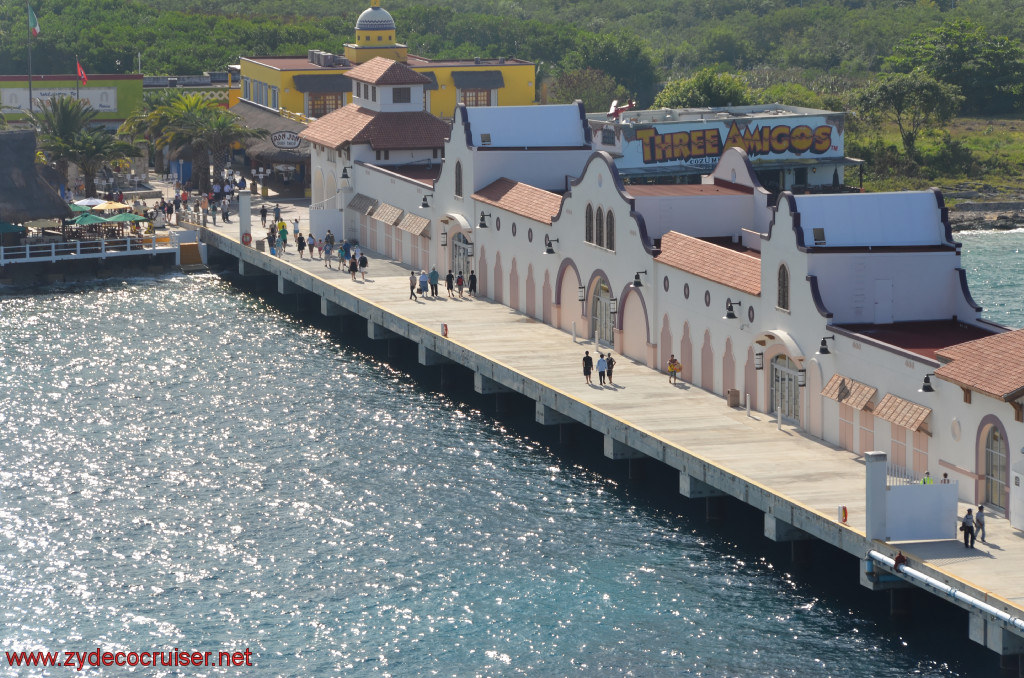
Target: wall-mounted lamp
(730, 314)
(444, 237)
(801, 377)
(636, 279)
(759, 361)
(548, 249)
(483, 220)
(424, 204)
(582, 293)
(823, 349)
(926, 387)
(614, 306)
(344, 171)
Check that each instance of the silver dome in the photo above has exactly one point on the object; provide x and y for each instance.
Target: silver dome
(375, 19)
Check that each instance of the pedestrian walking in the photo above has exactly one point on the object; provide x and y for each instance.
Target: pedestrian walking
(602, 367)
(460, 282)
(673, 369)
(611, 366)
(588, 365)
(295, 228)
(224, 213)
(967, 527)
(472, 283)
(979, 522)
(364, 263)
(328, 252)
(432, 278)
(300, 242)
(263, 215)
(412, 285)
(353, 266)
(272, 240)
(449, 283)
(346, 249)
(277, 213)
(424, 281)
(282, 239)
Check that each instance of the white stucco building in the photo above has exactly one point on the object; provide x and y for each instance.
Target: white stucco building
(848, 315)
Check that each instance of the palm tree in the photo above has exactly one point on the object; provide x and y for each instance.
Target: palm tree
(202, 126)
(145, 124)
(58, 121)
(91, 149)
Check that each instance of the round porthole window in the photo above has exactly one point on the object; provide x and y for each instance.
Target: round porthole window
(497, 223)
(664, 283)
(707, 298)
(750, 314)
(513, 229)
(686, 290)
(529, 234)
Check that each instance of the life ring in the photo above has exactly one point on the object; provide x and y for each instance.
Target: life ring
(247, 239)
(444, 329)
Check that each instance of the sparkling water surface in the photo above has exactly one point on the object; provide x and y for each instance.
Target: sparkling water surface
(994, 261)
(184, 465)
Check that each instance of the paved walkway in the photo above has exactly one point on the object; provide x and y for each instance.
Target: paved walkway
(806, 470)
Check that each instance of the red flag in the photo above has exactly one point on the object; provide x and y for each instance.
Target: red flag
(81, 73)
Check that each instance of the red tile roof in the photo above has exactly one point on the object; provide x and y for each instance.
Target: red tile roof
(357, 125)
(381, 71)
(993, 365)
(519, 198)
(902, 412)
(737, 270)
(849, 392)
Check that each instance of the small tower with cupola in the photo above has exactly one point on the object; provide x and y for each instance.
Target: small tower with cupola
(375, 37)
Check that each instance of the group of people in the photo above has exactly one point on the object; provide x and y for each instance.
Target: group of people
(426, 283)
(973, 526)
(605, 367)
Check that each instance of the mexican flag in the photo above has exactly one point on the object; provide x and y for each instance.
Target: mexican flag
(33, 23)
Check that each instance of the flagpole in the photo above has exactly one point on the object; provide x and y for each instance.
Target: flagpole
(29, 7)
(78, 78)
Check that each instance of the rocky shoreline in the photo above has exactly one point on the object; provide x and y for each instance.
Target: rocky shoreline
(990, 220)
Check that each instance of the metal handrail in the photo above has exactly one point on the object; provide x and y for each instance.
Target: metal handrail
(86, 249)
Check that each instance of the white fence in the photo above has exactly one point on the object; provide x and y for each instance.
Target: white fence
(88, 249)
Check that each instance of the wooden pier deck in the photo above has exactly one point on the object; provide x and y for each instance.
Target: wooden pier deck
(794, 478)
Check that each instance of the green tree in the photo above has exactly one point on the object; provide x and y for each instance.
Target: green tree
(790, 94)
(93, 148)
(987, 69)
(914, 101)
(706, 88)
(222, 130)
(595, 89)
(59, 121)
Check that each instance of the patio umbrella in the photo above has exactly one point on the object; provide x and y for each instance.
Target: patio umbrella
(127, 216)
(110, 206)
(80, 208)
(89, 202)
(86, 219)
(11, 228)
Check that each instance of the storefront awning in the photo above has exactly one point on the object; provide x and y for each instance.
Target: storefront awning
(363, 204)
(849, 392)
(902, 412)
(478, 79)
(322, 83)
(415, 224)
(389, 214)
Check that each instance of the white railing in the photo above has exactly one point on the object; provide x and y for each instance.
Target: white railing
(87, 249)
(328, 204)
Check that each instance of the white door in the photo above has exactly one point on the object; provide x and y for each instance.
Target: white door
(461, 256)
(785, 389)
(883, 302)
(601, 314)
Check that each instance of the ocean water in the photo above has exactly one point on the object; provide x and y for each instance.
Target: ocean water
(183, 465)
(994, 261)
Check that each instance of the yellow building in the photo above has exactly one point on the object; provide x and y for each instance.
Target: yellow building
(316, 84)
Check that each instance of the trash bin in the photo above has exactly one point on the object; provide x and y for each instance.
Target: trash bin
(732, 397)
(264, 191)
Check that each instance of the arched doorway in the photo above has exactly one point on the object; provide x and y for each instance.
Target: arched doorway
(601, 319)
(784, 394)
(996, 469)
(462, 253)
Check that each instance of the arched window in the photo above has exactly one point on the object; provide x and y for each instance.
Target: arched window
(458, 179)
(589, 234)
(783, 288)
(609, 231)
(599, 228)
(995, 469)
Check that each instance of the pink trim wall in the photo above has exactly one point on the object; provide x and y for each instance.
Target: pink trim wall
(531, 293)
(665, 344)
(707, 363)
(513, 286)
(728, 368)
(546, 295)
(686, 355)
(750, 379)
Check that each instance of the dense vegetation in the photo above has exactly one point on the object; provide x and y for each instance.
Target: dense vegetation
(838, 54)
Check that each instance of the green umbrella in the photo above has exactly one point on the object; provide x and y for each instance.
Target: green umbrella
(11, 228)
(79, 208)
(126, 216)
(86, 219)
